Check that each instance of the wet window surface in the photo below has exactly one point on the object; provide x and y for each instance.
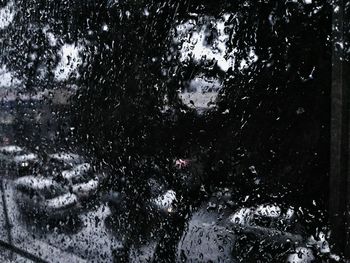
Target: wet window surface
(173, 131)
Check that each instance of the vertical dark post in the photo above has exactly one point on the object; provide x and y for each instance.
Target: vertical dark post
(340, 131)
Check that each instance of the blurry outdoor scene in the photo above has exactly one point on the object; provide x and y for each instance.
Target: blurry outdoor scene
(174, 131)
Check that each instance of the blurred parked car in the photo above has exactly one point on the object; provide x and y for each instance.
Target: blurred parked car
(162, 202)
(74, 172)
(224, 229)
(42, 196)
(17, 159)
(277, 227)
(68, 184)
(65, 159)
(83, 182)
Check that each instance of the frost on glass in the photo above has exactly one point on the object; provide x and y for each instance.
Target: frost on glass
(165, 131)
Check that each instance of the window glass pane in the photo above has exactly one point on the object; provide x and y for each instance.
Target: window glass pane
(174, 131)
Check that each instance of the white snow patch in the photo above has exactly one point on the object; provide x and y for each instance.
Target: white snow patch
(201, 93)
(25, 157)
(166, 200)
(252, 57)
(62, 201)
(194, 42)
(70, 60)
(85, 188)
(35, 182)
(7, 78)
(301, 255)
(7, 15)
(77, 171)
(105, 27)
(65, 157)
(11, 149)
(268, 211)
(52, 39)
(242, 216)
(321, 243)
